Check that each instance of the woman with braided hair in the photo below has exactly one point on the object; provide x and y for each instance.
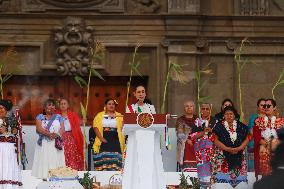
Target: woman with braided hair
(10, 173)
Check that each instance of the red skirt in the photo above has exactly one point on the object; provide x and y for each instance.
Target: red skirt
(264, 163)
(189, 160)
(73, 159)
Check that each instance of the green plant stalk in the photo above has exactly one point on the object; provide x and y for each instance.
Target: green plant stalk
(240, 90)
(198, 90)
(85, 116)
(275, 86)
(131, 74)
(166, 89)
(128, 87)
(237, 58)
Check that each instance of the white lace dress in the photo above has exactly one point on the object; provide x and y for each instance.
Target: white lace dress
(10, 172)
(47, 156)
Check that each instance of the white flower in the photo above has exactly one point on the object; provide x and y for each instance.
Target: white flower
(265, 121)
(232, 131)
(273, 119)
(269, 132)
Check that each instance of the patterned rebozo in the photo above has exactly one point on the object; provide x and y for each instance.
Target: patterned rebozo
(11, 124)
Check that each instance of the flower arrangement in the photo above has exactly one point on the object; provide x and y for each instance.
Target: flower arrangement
(87, 181)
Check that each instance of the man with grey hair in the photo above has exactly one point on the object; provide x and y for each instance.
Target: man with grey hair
(185, 153)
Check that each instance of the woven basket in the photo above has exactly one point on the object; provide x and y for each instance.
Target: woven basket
(115, 186)
(96, 185)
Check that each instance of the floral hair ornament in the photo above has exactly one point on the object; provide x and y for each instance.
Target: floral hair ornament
(115, 102)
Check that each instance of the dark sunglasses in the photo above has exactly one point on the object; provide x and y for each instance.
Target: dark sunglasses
(205, 109)
(266, 105)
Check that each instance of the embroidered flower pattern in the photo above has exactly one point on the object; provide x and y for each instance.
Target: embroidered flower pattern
(231, 130)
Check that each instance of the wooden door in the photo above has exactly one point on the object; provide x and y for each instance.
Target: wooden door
(28, 93)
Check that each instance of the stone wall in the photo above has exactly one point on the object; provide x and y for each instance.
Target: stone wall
(189, 32)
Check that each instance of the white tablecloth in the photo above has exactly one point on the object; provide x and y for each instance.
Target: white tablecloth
(70, 184)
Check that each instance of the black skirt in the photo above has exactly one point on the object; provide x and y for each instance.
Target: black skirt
(112, 145)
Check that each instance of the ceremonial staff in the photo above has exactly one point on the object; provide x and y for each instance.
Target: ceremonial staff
(21, 144)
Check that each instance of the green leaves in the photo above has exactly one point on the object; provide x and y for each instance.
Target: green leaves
(83, 110)
(135, 62)
(134, 65)
(7, 77)
(6, 56)
(80, 81)
(177, 73)
(279, 82)
(240, 66)
(97, 54)
(87, 181)
(203, 99)
(97, 74)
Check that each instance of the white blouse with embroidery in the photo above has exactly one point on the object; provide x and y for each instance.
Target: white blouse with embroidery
(146, 108)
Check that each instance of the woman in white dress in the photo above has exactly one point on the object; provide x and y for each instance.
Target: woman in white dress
(49, 153)
(135, 174)
(10, 172)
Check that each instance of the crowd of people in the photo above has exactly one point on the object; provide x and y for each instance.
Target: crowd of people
(220, 148)
(223, 148)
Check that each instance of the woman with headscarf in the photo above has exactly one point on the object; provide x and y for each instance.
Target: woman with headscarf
(72, 137)
(109, 142)
(203, 144)
(10, 172)
(231, 138)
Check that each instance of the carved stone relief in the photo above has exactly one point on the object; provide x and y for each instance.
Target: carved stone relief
(144, 6)
(184, 6)
(231, 45)
(9, 6)
(201, 43)
(73, 40)
(254, 7)
(97, 5)
(279, 4)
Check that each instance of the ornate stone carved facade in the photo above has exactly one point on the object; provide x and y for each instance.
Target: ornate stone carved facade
(97, 5)
(9, 6)
(184, 6)
(144, 6)
(73, 40)
(201, 43)
(254, 7)
(231, 44)
(279, 4)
